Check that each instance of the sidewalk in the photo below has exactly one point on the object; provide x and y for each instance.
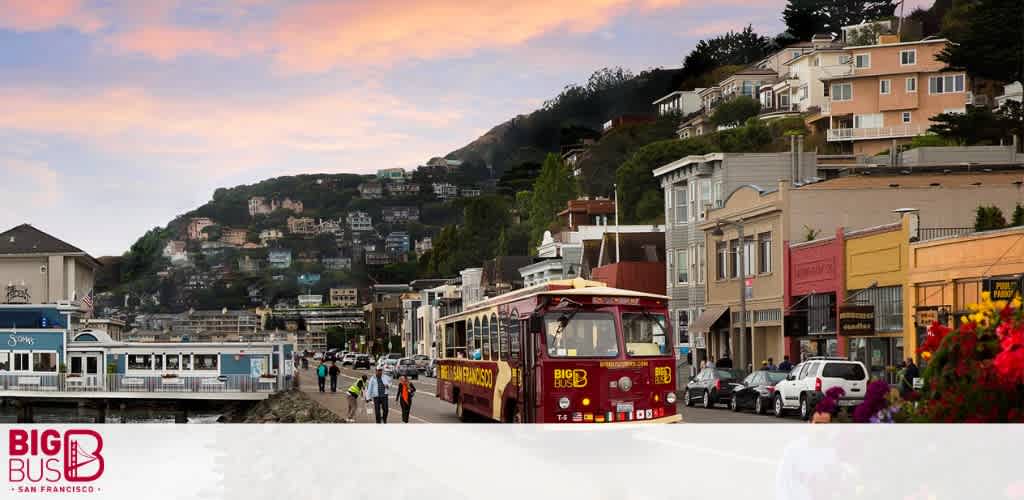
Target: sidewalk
(337, 402)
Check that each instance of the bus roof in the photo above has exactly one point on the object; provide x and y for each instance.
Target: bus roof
(573, 287)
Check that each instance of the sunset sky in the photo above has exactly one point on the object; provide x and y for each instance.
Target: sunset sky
(119, 115)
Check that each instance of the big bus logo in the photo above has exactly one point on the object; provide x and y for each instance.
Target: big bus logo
(662, 375)
(570, 379)
(48, 456)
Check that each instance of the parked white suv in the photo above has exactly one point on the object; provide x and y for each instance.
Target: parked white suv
(808, 382)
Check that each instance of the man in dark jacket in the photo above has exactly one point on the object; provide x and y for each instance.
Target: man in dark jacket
(334, 371)
(909, 374)
(785, 365)
(405, 393)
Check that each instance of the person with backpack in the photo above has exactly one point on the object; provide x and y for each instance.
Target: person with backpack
(405, 393)
(321, 376)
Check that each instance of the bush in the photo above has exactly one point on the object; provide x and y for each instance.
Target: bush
(989, 218)
(736, 111)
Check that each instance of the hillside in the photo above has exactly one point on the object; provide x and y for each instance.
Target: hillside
(577, 113)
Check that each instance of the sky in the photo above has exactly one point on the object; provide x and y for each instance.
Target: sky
(118, 115)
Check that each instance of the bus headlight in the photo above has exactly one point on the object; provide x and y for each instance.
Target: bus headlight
(625, 384)
(670, 398)
(564, 403)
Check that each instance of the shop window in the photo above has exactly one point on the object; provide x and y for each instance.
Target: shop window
(888, 302)
(44, 362)
(5, 361)
(21, 362)
(683, 326)
(140, 362)
(206, 361)
(158, 362)
(821, 313)
(173, 362)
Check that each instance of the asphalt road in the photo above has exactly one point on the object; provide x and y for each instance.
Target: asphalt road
(427, 409)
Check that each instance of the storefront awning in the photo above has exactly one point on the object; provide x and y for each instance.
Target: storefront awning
(708, 318)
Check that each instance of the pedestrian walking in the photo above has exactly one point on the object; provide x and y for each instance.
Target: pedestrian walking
(785, 365)
(771, 365)
(355, 391)
(334, 371)
(321, 376)
(909, 374)
(405, 393)
(378, 392)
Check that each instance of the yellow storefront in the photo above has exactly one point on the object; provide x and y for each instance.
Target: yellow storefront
(947, 275)
(876, 262)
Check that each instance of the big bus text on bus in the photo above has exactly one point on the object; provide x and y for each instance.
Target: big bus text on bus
(569, 351)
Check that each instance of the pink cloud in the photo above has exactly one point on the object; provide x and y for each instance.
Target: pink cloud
(322, 35)
(36, 15)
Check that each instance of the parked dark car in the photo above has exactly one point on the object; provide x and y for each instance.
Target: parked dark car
(362, 361)
(407, 367)
(756, 391)
(711, 386)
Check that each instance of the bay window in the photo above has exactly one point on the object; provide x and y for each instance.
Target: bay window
(946, 84)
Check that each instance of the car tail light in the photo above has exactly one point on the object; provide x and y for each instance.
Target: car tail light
(718, 385)
(817, 384)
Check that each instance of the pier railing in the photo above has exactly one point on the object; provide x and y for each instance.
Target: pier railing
(36, 382)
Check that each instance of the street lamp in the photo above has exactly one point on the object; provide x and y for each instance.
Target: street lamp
(740, 260)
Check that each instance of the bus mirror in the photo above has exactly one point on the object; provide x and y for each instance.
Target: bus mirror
(536, 323)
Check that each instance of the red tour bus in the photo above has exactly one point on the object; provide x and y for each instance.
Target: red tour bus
(570, 351)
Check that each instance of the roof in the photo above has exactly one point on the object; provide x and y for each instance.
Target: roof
(899, 44)
(667, 97)
(919, 181)
(27, 240)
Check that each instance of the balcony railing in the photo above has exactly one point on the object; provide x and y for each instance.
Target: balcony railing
(213, 384)
(856, 134)
(933, 233)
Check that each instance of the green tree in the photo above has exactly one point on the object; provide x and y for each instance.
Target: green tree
(804, 18)
(735, 112)
(635, 177)
(988, 218)
(552, 190)
(742, 48)
(1018, 216)
(989, 39)
(979, 125)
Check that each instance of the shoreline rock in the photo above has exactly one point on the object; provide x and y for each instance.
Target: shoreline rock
(291, 407)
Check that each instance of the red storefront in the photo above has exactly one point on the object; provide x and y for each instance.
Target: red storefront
(814, 281)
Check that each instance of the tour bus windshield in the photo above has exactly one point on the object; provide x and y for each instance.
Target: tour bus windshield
(585, 335)
(646, 334)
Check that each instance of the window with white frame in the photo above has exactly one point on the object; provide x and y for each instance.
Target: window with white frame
(140, 362)
(945, 84)
(721, 260)
(842, 91)
(44, 362)
(816, 61)
(719, 201)
(21, 362)
(682, 267)
(682, 204)
(885, 87)
(206, 361)
(872, 120)
(749, 255)
(912, 84)
(693, 264)
(845, 59)
(734, 249)
(694, 195)
(705, 197)
(802, 92)
(862, 61)
(764, 253)
(702, 263)
(905, 116)
(908, 57)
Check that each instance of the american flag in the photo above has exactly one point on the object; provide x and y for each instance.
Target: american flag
(87, 300)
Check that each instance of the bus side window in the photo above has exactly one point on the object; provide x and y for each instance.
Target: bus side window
(495, 350)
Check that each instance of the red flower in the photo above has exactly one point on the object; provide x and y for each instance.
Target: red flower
(933, 340)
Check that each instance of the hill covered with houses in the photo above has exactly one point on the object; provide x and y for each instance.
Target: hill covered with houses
(274, 240)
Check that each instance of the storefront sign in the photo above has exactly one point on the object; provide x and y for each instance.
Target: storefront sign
(1003, 288)
(927, 316)
(856, 320)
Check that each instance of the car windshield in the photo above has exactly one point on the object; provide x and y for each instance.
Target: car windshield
(646, 334)
(775, 377)
(586, 334)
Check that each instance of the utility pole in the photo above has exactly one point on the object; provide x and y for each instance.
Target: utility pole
(743, 291)
(616, 187)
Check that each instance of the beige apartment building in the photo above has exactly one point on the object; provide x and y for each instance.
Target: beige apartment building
(344, 297)
(890, 93)
(773, 216)
(36, 268)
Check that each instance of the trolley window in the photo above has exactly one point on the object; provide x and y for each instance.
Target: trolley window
(646, 334)
(581, 335)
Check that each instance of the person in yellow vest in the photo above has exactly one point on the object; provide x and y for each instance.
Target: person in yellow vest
(405, 393)
(355, 391)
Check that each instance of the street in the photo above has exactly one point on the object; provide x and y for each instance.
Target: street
(427, 409)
